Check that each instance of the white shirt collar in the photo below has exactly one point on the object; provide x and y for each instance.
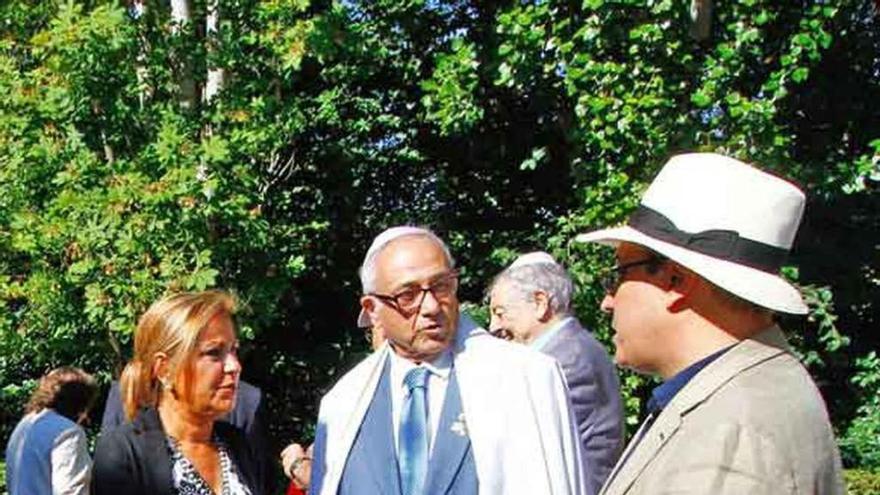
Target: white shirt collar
(545, 337)
(438, 380)
(440, 366)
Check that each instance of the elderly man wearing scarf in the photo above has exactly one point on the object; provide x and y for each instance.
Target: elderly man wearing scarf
(442, 407)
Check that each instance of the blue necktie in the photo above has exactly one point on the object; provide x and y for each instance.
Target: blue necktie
(413, 437)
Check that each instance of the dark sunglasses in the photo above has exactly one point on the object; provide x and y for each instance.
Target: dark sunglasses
(612, 278)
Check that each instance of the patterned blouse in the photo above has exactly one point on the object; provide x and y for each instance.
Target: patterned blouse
(186, 479)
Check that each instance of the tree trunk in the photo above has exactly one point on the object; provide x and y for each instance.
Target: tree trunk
(98, 112)
(216, 75)
(137, 11)
(181, 18)
(701, 15)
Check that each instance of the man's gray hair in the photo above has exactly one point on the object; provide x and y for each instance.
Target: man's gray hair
(367, 270)
(550, 278)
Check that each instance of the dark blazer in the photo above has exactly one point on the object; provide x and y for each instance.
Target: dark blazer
(594, 390)
(133, 459)
(247, 415)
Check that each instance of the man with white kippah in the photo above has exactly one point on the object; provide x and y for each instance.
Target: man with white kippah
(692, 300)
(441, 407)
(531, 300)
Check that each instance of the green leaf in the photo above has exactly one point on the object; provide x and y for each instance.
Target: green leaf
(800, 74)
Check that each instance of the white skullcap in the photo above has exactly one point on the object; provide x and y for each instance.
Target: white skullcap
(533, 258)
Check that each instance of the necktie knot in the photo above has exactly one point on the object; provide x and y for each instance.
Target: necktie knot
(416, 378)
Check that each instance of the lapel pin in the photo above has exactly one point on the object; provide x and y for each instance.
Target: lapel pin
(459, 427)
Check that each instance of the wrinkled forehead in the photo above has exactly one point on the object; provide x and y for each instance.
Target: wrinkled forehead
(410, 259)
(501, 293)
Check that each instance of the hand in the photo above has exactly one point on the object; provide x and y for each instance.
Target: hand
(297, 464)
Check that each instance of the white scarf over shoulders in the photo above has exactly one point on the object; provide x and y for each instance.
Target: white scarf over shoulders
(516, 413)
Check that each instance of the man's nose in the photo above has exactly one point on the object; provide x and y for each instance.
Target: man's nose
(607, 304)
(430, 305)
(495, 324)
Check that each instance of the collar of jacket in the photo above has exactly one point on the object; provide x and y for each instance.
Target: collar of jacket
(744, 355)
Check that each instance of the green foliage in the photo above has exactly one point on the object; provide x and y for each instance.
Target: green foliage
(506, 126)
(449, 97)
(860, 445)
(99, 222)
(861, 481)
(823, 317)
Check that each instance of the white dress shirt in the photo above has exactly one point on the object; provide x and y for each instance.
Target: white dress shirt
(438, 379)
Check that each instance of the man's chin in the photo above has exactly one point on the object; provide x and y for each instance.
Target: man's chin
(620, 358)
(423, 349)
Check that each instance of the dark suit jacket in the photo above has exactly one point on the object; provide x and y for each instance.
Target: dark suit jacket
(133, 459)
(594, 390)
(247, 415)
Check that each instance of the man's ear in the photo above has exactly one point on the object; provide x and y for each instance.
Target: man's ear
(542, 306)
(680, 284)
(368, 304)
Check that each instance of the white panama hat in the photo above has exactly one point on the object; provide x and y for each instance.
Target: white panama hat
(727, 221)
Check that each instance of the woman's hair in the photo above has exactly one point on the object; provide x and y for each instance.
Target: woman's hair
(67, 390)
(171, 326)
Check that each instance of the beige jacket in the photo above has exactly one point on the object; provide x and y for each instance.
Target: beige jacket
(751, 422)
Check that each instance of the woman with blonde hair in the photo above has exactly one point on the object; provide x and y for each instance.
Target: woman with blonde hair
(182, 378)
(48, 450)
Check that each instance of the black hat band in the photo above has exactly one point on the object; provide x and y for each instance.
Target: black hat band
(723, 244)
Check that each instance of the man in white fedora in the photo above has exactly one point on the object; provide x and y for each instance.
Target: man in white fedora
(442, 407)
(531, 300)
(692, 300)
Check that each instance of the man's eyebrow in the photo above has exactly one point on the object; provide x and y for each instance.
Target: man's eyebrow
(409, 284)
(416, 283)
